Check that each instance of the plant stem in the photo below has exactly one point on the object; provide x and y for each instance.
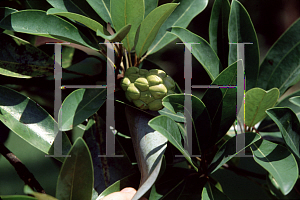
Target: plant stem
(129, 56)
(21, 169)
(126, 58)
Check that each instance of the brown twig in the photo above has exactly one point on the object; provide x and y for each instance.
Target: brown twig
(21, 169)
(243, 172)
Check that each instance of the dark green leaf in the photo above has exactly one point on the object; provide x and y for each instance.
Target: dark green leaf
(79, 106)
(102, 8)
(202, 137)
(76, 6)
(284, 102)
(124, 12)
(278, 161)
(149, 6)
(289, 126)
(210, 192)
(202, 51)
(178, 117)
(37, 22)
(218, 30)
(286, 72)
(221, 102)
(154, 195)
(288, 42)
(22, 60)
(241, 30)
(118, 36)
(228, 150)
(181, 17)
(5, 11)
(168, 128)
(150, 26)
(28, 120)
(88, 22)
(76, 178)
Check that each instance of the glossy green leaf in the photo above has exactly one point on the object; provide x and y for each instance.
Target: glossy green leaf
(178, 117)
(289, 126)
(28, 120)
(181, 17)
(228, 150)
(76, 177)
(272, 136)
(80, 105)
(268, 122)
(218, 30)
(76, 6)
(38, 5)
(202, 51)
(102, 8)
(124, 12)
(107, 169)
(257, 101)
(287, 72)
(269, 73)
(17, 197)
(150, 26)
(241, 30)
(154, 195)
(22, 60)
(278, 161)
(285, 102)
(67, 55)
(149, 6)
(39, 196)
(51, 26)
(168, 128)
(149, 147)
(118, 36)
(175, 103)
(5, 11)
(200, 117)
(88, 22)
(221, 102)
(295, 100)
(129, 181)
(210, 192)
(89, 66)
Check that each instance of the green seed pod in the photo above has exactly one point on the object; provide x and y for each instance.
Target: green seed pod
(125, 83)
(158, 91)
(133, 92)
(132, 70)
(155, 105)
(140, 104)
(169, 83)
(154, 80)
(146, 89)
(141, 84)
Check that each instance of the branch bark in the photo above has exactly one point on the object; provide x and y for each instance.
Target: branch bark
(21, 169)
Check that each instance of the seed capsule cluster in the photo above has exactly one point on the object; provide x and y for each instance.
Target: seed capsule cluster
(146, 89)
